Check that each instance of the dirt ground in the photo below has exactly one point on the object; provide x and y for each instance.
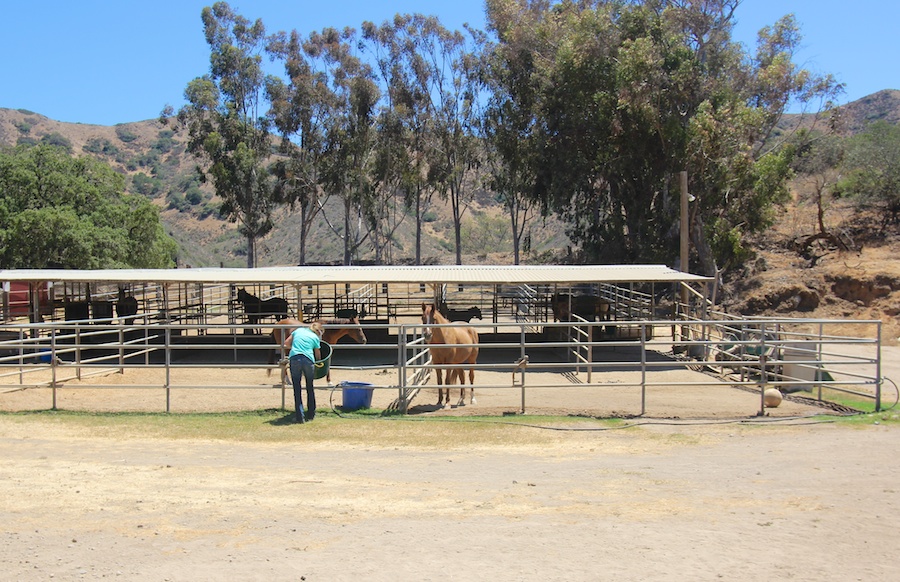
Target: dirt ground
(723, 496)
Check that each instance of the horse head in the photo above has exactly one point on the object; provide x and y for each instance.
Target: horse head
(428, 312)
(356, 332)
(361, 337)
(476, 312)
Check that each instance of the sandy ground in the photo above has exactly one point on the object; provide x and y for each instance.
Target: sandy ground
(790, 501)
(786, 497)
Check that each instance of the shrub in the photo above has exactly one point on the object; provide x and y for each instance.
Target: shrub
(194, 196)
(96, 145)
(59, 140)
(176, 201)
(144, 184)
(125, 134)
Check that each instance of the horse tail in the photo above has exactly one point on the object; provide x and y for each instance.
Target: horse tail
(272, 354)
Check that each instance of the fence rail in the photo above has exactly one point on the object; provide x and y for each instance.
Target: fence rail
(821, 358)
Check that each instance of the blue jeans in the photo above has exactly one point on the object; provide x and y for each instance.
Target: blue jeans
(303, 367)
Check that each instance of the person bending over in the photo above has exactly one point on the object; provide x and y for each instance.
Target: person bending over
(304, 344)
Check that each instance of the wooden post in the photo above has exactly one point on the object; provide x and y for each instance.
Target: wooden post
(685, 240)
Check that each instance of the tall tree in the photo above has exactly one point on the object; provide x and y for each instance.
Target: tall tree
(72, 213)
(393, 156)
(227, 126)
(301, 109)
(630, 94)
(401, 51)
(349, 135)
(456, 99)
(510, 119)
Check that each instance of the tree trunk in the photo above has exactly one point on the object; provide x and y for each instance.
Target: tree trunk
(346, 231)
(704, 251)
(251, 251)
(304, 232)
(514, 222)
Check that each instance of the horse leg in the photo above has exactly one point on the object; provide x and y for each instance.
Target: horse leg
(461, 374)
(471, 384)
(440, 381)
(452, 376)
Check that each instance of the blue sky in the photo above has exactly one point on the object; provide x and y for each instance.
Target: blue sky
(115, 61)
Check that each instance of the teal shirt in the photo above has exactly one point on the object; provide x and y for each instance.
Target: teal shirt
(304, 341)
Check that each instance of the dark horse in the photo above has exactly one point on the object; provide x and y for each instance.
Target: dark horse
(256, 308)
(461, 314)
(127, 306)
(334, 330)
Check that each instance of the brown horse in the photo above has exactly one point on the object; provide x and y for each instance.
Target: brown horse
(459, 354)
(334, 330)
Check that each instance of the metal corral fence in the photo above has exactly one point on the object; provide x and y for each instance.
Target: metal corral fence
(825, 359)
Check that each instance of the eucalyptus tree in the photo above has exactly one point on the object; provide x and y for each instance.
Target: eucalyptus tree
(510, 121)
(456, 95)
(350, 135)
(394, 170)
(301, 110)
(629, 93)
(409, 79)
(436, 93)
(227, 125)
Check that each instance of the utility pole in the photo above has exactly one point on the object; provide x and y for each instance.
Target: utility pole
(685, 239)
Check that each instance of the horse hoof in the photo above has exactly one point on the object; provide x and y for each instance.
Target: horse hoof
(472, 401)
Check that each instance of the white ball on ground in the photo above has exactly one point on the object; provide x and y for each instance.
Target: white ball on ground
(772, 397)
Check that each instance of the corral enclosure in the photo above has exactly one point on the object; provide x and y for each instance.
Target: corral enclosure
(644, 333)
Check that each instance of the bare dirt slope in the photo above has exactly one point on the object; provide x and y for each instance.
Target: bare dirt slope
(861, 281)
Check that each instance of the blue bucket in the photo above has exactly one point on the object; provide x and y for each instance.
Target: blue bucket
(356, 395)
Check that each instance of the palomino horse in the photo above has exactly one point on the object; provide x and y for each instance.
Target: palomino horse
(334, 330)
(451, 354)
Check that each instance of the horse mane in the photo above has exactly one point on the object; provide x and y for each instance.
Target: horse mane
(336, 321)
(439, 318)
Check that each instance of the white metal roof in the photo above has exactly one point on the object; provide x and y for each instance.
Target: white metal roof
(437, 274)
